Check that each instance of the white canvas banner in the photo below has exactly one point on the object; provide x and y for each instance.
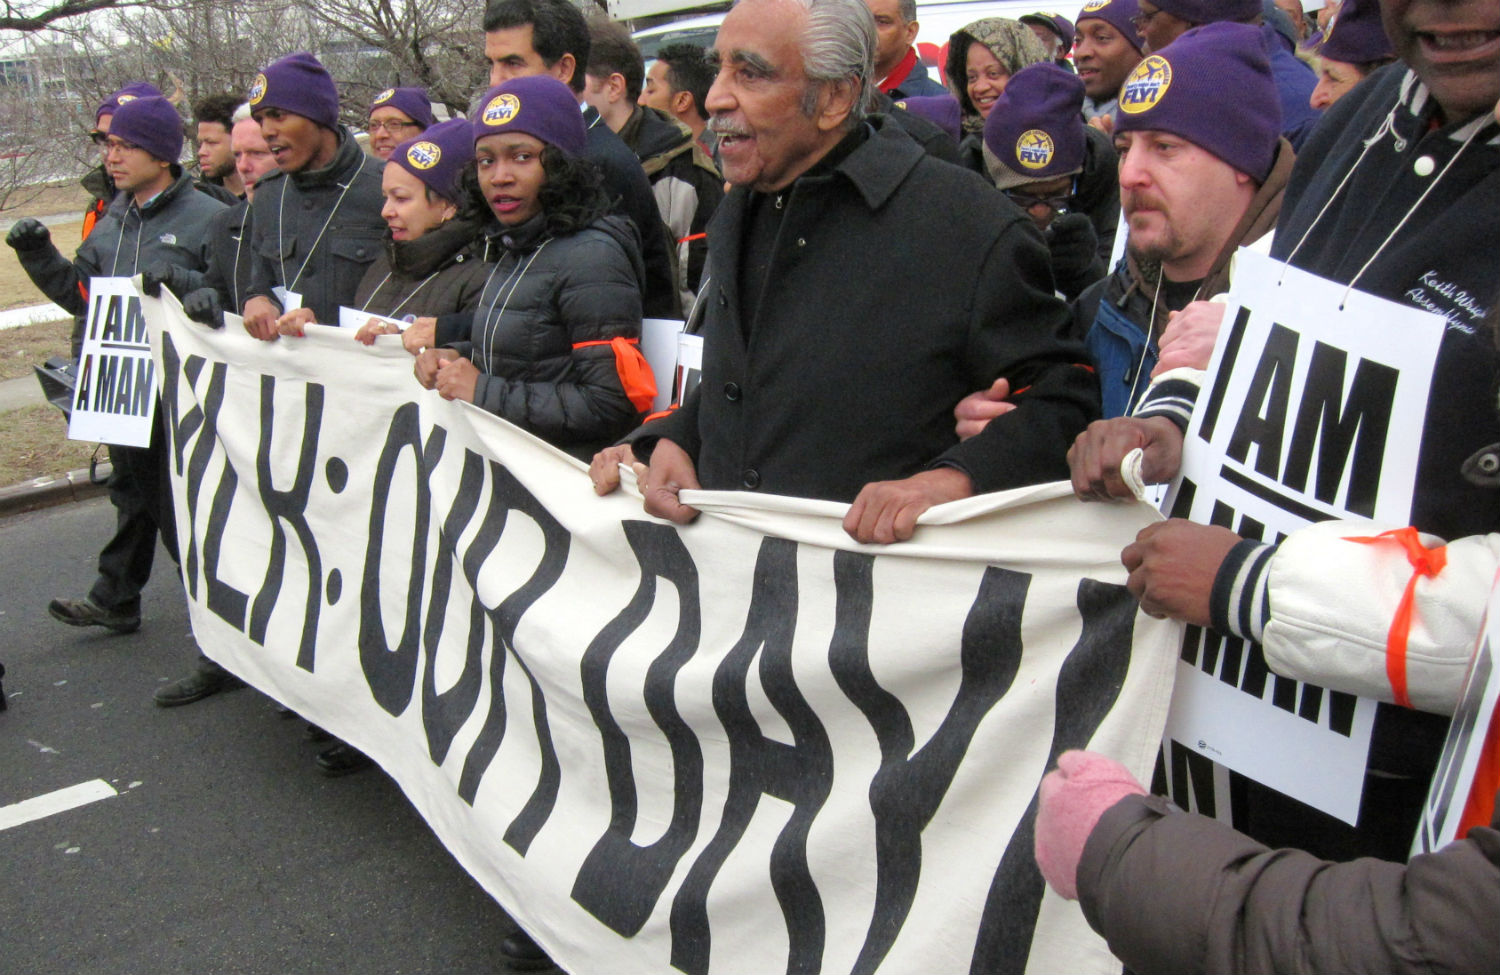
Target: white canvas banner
(115, 398)
(744, 745)
(1313, 410)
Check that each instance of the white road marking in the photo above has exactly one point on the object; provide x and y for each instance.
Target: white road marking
(40, 807)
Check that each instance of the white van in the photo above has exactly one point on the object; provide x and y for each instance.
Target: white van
(938, 21)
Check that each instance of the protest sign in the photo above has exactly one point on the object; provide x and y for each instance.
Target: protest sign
(744, 745)
(659, 345)
(1313, 409)
(115, 398)
(1463, 788)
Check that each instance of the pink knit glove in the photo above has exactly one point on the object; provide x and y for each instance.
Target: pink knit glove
(1071, 799)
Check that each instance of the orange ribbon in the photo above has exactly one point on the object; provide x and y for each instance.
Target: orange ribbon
(1424, 562)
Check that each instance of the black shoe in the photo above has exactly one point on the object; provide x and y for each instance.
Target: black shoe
(524, 954)
(342, 759)
(86, 612)
(195, 687)
(317, 734)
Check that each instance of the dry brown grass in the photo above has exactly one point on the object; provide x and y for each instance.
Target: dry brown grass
(22, 348)
(36, 443)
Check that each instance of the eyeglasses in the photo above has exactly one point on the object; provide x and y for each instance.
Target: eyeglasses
(394, 128)
(1026, 201)
(113, 145)
(1139, 21)
(98, 138)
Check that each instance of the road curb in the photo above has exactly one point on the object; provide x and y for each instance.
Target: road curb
(44, 492)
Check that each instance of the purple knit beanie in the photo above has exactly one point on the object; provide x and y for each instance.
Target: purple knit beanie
(151, 123)
(1035, 130)
(132, 91)
(1057, 24)
(438, 156)
(538, 105)
(1356, 35)
(1210, 11)
(298, 84)
(941, 110)
(411, 102)
(1115, 13)
(1213, 87)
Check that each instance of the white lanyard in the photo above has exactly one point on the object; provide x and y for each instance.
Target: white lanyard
(403, 301)
(281, 239)
(492, 320)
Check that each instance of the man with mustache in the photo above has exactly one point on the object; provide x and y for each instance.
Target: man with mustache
(816, 384)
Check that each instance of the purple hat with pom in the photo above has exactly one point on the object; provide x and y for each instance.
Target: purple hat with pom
(438, 156)
(151, 123)
(132, 91)
(1213, 87)
(1035, 130)
(299, 84)
(537, 105)
(411, 102)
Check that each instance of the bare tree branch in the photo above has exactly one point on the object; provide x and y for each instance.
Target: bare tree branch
(12, 19)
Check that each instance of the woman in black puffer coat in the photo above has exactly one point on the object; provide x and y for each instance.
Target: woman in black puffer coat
(553, 345)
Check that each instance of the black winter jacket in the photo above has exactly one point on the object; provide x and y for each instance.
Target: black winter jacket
(544, 297)
(630, 192)
(439, 273)
(897, 285)
(173, 228)
(342, 202)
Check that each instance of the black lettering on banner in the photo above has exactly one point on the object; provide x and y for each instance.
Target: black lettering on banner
(443, 713)
(109, 317)
(1342, 427)
(1191, 777)
(1215, 402)
(1262, 420)
(1447, 787)
(621, 881)
(1088, 685)
(289, 506)
(392, 674)
(909, 787)
(223, 600)
(510, 495)
(800, 774)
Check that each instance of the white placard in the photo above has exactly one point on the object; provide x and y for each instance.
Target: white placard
(747, 744)
(115, 399)
(689, 365)
(659, 346)
(290, 300)
(1313, 409)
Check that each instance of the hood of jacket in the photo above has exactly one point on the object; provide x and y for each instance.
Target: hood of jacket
(1011, 42)
(655, 137)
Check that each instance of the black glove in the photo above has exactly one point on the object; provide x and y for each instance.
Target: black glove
(158, 273)
(1074, 246)
(29, 234)
(203, 306)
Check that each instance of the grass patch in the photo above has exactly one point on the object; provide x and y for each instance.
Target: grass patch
(16, 289)
(22, 348)
(36, 443)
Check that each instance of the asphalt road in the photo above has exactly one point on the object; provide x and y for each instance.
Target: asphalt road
(223, 850)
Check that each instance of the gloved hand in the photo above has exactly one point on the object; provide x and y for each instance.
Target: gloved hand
(158, 273)
(1073, 245)
(203, 306)
(29, 234)
(1070, 801)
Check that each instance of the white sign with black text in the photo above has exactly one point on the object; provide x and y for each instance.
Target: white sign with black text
(115, 399)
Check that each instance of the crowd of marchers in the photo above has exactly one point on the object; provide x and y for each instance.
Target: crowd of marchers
(912, 290)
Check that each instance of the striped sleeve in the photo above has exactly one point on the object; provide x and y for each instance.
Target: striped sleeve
(1238, 604)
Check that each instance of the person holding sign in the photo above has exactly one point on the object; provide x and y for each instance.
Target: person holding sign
(815, 384)
(554, 343)
(158, 216)
(316, 220)
(431, 263)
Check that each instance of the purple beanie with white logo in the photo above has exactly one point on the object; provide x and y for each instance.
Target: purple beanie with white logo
(1355, 35)
(1115, 13)
(1211, 11)
(299, 84)
(1213, 87)
(438, 156)
(132, 91)
(941, 110)
(411, 102)
(1035, 131)
(151, 123)
(537, 105)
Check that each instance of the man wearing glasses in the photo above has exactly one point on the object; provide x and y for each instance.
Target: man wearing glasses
(156, 216)
(398, 114)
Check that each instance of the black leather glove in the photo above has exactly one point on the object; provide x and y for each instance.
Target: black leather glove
(29, 234)
(203, 306)
(1074, 245)
(159, 273)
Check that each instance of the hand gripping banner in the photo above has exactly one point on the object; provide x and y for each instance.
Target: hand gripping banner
(746, 745)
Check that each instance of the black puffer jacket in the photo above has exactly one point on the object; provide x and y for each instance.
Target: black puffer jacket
(439, 273)
(316, 231)
(545, 297)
